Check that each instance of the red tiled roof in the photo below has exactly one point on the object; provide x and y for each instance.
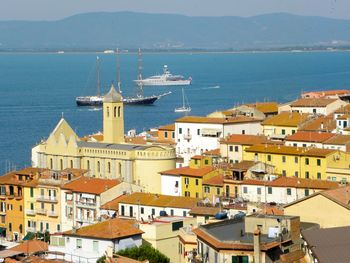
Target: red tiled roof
(110, 229)
(200, 119)
(204, 210)
(287, 119)
(309, 136)
(213, 152)
(216, 180)
(31, 246)
(312, 102)
(91, 185)
(113, 204)
(195, 172)
(322, 123)
(169, 127)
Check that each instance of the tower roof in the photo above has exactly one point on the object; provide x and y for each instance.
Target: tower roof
(113, 96)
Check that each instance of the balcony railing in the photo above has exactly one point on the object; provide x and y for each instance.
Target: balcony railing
(52, 214)
(82, 203)
(3, 212)
(41, 211)
(30, 212)
(86, 220)
(187, 136)
(49, 199)
(31, 229)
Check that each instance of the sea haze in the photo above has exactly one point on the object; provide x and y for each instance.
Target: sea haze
(37, 88)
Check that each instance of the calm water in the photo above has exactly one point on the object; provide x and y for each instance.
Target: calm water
(37, 88)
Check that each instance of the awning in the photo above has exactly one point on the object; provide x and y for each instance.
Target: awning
(29, 236)
(211, 132)
(90, 196)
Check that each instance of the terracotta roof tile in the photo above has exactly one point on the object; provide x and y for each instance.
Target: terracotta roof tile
(265, 107)
(339, 139)
(215, 181)
(149, 199)
(197, 157)
(326, 93)
(110, 229)
(200, 119)
(204, 210)
(344, 109)
(309, 136)
(113, 204)
(344, 117)
(169, 127)
(322, 123)
(289, 150)
(287, 119)
(213, 152)
(244, 139)
(31, 246)
(187, 171)
(91, 185)
(312, 102)
(242, 166)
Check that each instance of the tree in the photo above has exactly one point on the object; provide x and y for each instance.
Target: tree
(144, 252)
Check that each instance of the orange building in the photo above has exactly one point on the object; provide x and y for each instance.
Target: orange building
(166, 133)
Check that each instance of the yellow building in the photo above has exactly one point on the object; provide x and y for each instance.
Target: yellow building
(188, 180)
(213, 187)
(301, 162)
(110, 158)
(283, 124)
(327, 208)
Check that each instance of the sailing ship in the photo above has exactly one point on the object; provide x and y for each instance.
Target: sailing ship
(183, 108)
(95, 100)
(166, 79)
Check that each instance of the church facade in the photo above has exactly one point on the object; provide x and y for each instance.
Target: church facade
(110, 158)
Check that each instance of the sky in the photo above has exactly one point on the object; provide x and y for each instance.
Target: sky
(58, 9)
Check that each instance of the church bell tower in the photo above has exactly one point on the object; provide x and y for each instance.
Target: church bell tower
(113, 117)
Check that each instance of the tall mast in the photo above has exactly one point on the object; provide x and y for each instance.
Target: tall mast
(118, 68)
(183, 98)
(139, 76)
(98, 76)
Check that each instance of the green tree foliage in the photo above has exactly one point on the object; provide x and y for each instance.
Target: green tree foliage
(144, 252)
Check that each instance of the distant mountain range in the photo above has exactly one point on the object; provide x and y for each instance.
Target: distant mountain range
(130, 30)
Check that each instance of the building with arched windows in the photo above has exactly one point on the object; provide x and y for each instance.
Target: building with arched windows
(109, 157)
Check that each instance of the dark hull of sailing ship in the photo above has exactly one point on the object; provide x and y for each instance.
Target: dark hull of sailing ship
(95, 101)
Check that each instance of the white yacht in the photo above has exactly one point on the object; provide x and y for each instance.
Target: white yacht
(184, 107)
(166, 79)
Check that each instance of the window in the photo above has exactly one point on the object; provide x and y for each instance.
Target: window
(107, 111)
(269, 158)
(171, 212)
(119, 111)
(231, 148)
(153, 211)
(197, 182)
(236, 148)
(314, 110)
(177, 225)
(115, 112)
(296, 160)
(109, 167)
(307, 192)
(21, 228)
(58, 227)
(269, 190)
(165, 134)
(218, 191)
(142, 210)
(283, 131)
(47, 226)
(296, 174)
(258, 191)
(98, 166)
(197, 195)
(245, 189)
(198, 132)
(284, 173)
(95, 246)
(10, 227)
(180, 130)
(31, 206)
(184, 213)
(283, 159)
(319, 176)
(307, 175)
(318, 162)
(173, 135)
(206, 162)
(289, 191)
(20, 208)
(206, 189)
(243, 131)
(79, 243)
(307, 161)
(187, 180)
(187, 193)
(293, 131)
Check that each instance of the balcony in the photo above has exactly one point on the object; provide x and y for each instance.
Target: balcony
(52, 214)
(187, 136)
(86, 220)
(31, 229)
(3, 212)
(41, 211)
(30, 212)
(47, 199)
(85, 204)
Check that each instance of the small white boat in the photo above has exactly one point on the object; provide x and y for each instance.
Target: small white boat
(184, 108)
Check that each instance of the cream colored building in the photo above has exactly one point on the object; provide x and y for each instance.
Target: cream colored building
(110, 158)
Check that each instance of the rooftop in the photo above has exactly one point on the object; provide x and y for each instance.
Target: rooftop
(201, 119)
(242, 166)
(110, 229)
(244, 139)
(148, 199)
(310, 136)
(204, 210)
(91, 185)
(169, 127)
(329, 245)
(215, 152)
(31, 246)
(343, 110)
(217, 180)
(324, 93)
(322, 123)
(312, 102)
(265, 107)
(289, 150)
(288, 119)
(187, 171)
(339, 139)
(112, 96)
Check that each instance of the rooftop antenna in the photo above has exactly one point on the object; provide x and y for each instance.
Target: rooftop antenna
(62, 114)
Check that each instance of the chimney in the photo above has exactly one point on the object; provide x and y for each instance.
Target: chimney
(257, 253)
(322, 126)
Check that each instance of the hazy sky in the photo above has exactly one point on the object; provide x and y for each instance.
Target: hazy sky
(57, 9)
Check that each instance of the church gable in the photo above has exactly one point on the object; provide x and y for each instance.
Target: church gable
(63, 128)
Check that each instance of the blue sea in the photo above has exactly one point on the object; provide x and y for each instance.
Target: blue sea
(36, 89)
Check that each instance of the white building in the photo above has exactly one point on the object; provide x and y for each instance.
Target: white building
(145, 206)
(308, 139)
(282, 190)
(195, 135)
(89, 243)
(321, 106)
